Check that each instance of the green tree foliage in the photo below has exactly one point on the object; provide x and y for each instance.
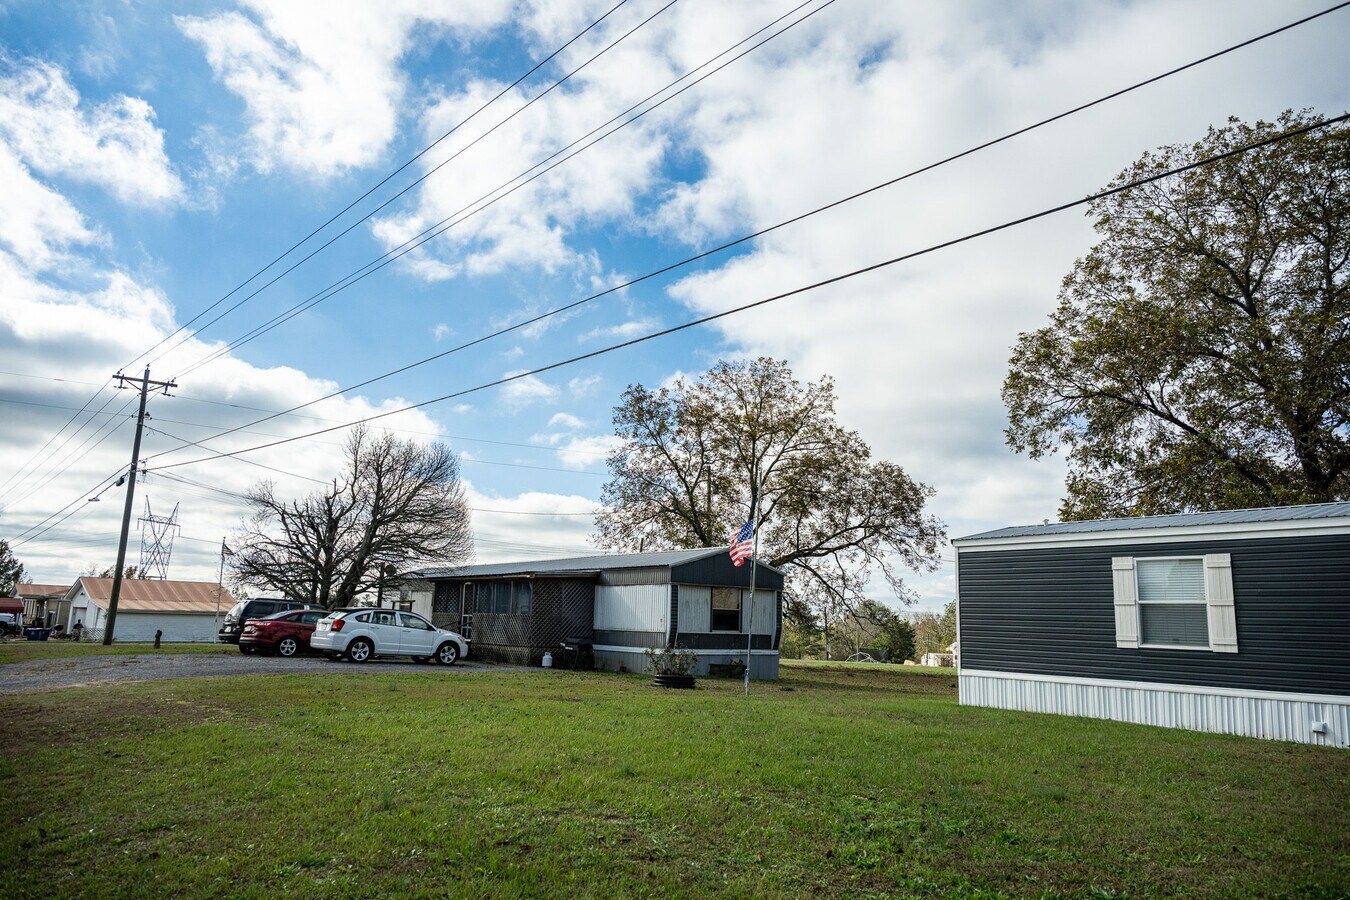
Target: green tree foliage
(11, 572)
(934, 632)
(1199, 357)
(829, 514)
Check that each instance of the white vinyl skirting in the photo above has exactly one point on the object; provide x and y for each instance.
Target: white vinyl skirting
(1305, 718)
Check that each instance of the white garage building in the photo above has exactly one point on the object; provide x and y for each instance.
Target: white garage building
(184, 610)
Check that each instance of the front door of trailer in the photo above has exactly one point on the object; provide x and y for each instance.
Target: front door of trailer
(466, 611)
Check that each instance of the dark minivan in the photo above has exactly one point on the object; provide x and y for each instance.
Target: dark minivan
(260, 608)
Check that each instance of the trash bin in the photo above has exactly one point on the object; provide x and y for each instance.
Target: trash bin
(37, 634)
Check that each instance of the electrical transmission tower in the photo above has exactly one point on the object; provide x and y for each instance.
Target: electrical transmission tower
(157, 534)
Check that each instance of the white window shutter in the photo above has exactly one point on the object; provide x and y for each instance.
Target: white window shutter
(1127, 610)
(1219, 596)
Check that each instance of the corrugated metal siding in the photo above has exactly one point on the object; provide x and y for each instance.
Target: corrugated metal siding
(635, 607)
(1051, 611)
(1261, 717)
(718, 570)
(178, 629)
(764, 614)
(695, 608)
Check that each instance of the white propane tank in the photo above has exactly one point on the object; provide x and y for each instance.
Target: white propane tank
(548, 660)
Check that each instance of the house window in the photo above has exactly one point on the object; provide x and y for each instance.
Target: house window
(505, 598)
(1172, 608)
(726, 609)
(1178, 602)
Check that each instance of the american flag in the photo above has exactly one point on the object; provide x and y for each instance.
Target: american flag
(225, 549)
(742, 543)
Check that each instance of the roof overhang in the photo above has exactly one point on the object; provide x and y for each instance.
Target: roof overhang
(1169, 535)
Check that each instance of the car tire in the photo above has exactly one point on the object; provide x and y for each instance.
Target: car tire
(359, 651)
(447, 654)
(288, 647)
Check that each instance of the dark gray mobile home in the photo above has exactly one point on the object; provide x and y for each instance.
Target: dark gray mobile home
(621, 604)
(1235, 622)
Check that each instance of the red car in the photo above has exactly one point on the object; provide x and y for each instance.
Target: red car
(284, 633)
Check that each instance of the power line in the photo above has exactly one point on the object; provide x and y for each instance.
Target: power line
(101, 434)
(18, 485)
(537, 66)
(243, 429)
(4, 485)
(798, 218)
(473, 208)
(341, 212)
(932, 248)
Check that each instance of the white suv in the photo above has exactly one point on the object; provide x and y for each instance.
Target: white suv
(360, 634)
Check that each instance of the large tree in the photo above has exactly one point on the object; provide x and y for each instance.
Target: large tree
(11, 571)
(396, 502)
(1199, 357)
(693, 453)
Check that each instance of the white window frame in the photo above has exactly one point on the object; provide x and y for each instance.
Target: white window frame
(1220, 617)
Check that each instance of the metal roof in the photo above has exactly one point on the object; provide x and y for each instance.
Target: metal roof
(576, 565)
(1312, 511)
(153, 595)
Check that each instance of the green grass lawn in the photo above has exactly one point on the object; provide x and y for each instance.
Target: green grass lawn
(14, 650)
(834, 781)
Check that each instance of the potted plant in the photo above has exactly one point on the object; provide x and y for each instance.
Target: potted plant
(672, 666)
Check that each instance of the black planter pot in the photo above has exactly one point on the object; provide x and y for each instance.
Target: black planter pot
(673, 681)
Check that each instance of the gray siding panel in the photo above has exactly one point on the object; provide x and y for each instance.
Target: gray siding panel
(718, 570)
(649, 575)
(1050, 612)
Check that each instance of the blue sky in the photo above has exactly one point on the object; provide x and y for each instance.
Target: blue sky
(157, 155)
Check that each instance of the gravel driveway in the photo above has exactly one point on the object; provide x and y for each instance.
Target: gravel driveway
(17, 678)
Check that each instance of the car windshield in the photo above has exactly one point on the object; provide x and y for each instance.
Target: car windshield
(238, 609)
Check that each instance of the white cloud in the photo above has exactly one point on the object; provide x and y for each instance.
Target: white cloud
(115, 144)
(68, 341)
(526, 391)
(492, 230)
(323, 92)
(622, 331)
(919, 351)
(533, 524)
(36, 223)
(585, 452)
(582, 385)
(565, 420)
(441, 330)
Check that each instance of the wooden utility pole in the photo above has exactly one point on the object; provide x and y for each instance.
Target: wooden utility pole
(145, 382)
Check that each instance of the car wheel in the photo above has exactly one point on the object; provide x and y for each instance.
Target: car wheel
(246, 650)
(287, 646)
(447, 654)
(360, 650)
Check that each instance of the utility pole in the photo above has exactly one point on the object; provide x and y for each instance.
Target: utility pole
(145, 383)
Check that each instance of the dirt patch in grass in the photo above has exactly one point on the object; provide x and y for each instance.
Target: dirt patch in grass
(58, 720)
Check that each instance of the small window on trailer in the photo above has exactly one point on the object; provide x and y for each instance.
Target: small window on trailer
(726, 609)
(1183, 602)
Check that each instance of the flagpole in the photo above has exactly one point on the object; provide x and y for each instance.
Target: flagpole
(750, 615)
